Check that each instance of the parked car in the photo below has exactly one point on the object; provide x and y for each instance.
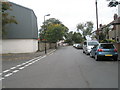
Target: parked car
(78, 46)
(104, 50)
(74, 45)
(87, 45)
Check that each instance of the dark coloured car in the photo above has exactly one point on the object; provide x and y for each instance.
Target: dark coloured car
(104, 50)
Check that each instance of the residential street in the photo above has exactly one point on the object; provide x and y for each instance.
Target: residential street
(66, 67)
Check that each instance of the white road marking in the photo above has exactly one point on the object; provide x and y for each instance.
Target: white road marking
(52, 51)
(15, 71)
(18, 65)
(23, 63)
(51, 54)
(21, 67)
(29, 64)
(1, 79)
(43, 57)
(32, 61)
(26, 65)
(13, 68)
(6, 71)
(8, 75)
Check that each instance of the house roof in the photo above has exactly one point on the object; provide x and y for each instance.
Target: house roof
(116, 22)
(23, 7)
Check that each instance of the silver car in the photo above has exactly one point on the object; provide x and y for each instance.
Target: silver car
(88, 45)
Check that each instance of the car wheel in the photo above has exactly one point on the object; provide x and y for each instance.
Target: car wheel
(97, 58)
(115, 59)
(86, 52)
(83, 51)
(91, 55)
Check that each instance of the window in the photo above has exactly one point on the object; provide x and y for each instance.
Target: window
(92, 43)
(85, 43)
(106, 46)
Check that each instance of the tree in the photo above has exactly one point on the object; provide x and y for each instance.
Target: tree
(77, 37)
(69, 37)
(53, 30)
(85, 28)
(55, 33)
(6, 18)
(52, 21)
(73, 37)
(104, 34)
(113, 3)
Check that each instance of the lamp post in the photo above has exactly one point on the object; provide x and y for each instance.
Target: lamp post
(97, 20)
(45, 33)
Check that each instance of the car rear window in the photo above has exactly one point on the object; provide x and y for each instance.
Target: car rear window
(106, 46)
(92, 43)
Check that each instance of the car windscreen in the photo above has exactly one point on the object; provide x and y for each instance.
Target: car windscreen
(106, 46)
(92, 43)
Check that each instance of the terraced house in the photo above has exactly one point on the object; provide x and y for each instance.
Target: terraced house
(115, 32)
(21, 37)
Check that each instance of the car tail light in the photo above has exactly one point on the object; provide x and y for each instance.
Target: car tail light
(115, 50)
(100, 50)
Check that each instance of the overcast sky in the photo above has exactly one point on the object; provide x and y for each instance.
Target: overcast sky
(70, 12)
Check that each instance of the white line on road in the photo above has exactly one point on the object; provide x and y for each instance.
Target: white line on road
(6, 71)
(13, 68)
(8, 75)
(33, 59)
(1, 79)
(15, 71)
(18, 65)
(21, 67)
(29, 63)
(51, 54)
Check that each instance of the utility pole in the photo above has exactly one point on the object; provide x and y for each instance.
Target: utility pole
(97, 20)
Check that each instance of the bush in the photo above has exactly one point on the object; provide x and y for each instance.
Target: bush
(107, 41)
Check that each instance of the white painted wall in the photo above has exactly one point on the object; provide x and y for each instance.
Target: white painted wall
(19, 45)
(119, 10)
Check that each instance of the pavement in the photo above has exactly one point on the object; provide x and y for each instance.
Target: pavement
(13, 59)
(23, 56)
(118, 55)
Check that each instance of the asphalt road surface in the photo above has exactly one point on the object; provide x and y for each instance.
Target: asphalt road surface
(66, 67)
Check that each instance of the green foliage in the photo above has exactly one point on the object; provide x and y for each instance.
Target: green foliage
(73, 37)
(53, 30)
(68, 38)
(52, 21)
(107, 41)
(77, 37)
(6, 6)
(6, 19)
(54, 33)
(113, 3)
(85, 28)
(103, 33)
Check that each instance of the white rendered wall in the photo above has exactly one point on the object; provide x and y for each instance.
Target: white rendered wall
(19, 45)
(119, 10)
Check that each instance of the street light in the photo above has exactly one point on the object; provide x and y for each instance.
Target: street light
(45, 33)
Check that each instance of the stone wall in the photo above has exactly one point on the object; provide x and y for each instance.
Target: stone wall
(41, 46)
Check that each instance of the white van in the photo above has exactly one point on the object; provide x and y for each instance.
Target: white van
(88, 45)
